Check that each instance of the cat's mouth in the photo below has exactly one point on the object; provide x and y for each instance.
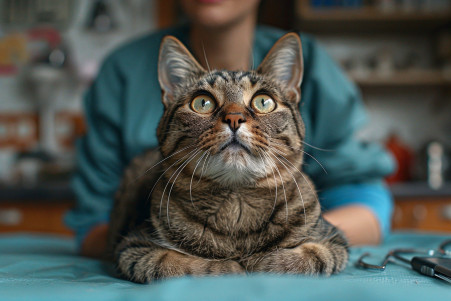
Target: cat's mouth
(235, 144)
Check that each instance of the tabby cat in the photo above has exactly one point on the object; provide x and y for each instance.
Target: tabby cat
(224, 193)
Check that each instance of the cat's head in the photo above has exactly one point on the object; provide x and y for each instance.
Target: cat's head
(232, 127)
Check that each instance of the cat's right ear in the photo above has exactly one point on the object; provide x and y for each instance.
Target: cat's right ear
(175, 64)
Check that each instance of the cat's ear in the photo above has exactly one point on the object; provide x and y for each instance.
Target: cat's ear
(175, 64)
(284, 63)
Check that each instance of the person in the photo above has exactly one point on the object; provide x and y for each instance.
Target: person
(123, 108)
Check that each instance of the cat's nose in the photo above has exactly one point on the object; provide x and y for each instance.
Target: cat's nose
(234, 120)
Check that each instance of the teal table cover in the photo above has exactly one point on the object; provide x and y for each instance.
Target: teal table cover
(36, 267)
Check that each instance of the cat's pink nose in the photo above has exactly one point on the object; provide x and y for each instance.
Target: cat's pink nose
(234, 120)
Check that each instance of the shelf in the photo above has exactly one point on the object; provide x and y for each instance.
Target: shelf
(425, 78)
(331, 20)
(411, 190)
(44, 192)
(369, 14)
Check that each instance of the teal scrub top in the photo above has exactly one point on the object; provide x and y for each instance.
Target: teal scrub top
(123, 107)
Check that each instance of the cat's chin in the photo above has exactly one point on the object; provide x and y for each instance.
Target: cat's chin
(235, 166)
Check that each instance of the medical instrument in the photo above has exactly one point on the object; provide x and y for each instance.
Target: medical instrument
(433, 262)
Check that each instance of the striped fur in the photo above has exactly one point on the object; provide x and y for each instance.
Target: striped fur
(213, 199)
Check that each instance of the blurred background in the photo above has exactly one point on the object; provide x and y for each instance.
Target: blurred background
(397, 51)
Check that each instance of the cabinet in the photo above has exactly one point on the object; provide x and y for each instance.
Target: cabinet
(426, 214)
(38, 209)
(43, 217)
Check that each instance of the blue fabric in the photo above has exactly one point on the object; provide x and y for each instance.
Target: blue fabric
(123, 108)
(47, 268)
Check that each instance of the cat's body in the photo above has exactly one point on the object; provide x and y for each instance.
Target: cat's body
(225, 192)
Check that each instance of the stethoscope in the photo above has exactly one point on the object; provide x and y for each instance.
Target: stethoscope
(433, 262)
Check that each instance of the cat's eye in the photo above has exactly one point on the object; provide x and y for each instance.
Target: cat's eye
(263, 104)
(203, 104)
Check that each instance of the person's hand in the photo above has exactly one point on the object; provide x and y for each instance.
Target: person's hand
(94, 244)
(358, 223)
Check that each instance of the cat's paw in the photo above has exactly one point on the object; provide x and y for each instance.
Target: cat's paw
(162, 264)
(176, 265)
(308, 258)
(217, 267)
(198, 266)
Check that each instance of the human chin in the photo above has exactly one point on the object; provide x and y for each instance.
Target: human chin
(213, 17)
(218, 14)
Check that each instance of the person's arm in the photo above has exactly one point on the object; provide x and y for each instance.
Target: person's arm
(99, 161)
(350, 190)
(361, 211)
(358, 223)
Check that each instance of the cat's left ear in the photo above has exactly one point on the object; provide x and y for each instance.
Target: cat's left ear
(175, 65)
(284, 63)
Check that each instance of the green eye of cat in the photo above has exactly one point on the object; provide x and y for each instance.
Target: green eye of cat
(263, 104)
(203, 104)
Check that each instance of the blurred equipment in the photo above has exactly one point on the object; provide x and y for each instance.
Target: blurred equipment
(45, 78)
(27, 13)
(404, 159)
(13, 52)
(437, 164)
(434, 164)
(435, 263)
(101, 19)
(7, 160)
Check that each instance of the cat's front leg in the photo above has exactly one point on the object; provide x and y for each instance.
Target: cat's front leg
(142, 261)
(309, 258)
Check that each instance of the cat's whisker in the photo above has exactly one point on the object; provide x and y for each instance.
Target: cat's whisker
(283, 145)
(208, 163)
(311, 156)
(317, 148)
(153, 187)
(297, 186)
(169, 181)
(273, 143)
(275, 184)
(192, 177)
(302, 174)
(205, 57)
(252, 57)
(266, 173)
(161, 161)
(159, 178)
(282, 155)
(283, 187)
(173, 183)
(203, 166)
(303, 142)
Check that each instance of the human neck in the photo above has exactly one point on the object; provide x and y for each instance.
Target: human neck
(226, 48)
